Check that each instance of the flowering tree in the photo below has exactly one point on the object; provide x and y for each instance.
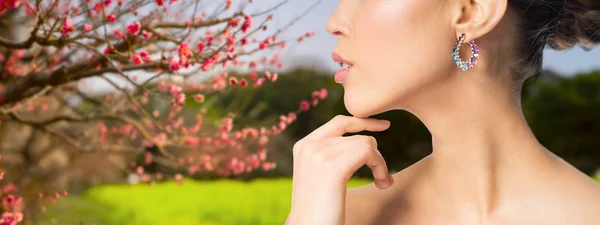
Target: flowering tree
(150, 54)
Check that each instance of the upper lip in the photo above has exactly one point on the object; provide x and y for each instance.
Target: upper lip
(338, 58)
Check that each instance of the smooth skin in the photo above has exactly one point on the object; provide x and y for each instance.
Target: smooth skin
(486, 167)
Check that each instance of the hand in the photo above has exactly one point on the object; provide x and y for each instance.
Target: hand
(324, 161)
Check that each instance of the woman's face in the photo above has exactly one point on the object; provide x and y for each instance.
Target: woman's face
(399, 49)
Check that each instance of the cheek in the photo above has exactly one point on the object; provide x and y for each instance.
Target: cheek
(398, 50)
(389, 41)
(389, 34)
(397, 37)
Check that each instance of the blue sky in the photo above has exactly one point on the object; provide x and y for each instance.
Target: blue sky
(317, 50)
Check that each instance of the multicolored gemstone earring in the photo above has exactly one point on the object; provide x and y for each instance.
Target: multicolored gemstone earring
(474, 54)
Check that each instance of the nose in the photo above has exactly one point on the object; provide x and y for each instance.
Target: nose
(339, 24)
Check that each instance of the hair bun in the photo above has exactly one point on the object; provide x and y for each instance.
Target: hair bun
(579, 23)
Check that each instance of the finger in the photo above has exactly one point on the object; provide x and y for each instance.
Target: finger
(358, 150)
(340, 125)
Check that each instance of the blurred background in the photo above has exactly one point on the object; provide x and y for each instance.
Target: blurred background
(147, 132)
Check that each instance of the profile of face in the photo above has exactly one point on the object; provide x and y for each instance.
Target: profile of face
(399, 49)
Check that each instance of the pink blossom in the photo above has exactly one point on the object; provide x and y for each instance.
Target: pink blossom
(253, 76)
(262, 154)
(192, 141)
(199, 98)
(146, 34)
(87, 27)
(134, 28)
(200, 47)
(119, 33)
(316, 94)
(282, 125)
(304, 105)
(259, 82)
(181, 98)
(174, 89)
(184, 50)
(268, 166)
(208, 166)
(9, 4)
(139, 170)
(193, 169)
(147, 158)
(323, 93)
(145, 56)
(175, 65)
(98, 7)
(10, 218)
(233, 81)
(107, 50)
(160, 138)
(209, 39)
(111, 18)
(252, 65)
(234, 22)
(291, 117)
(263, 140)
(29, 11)
(160, 2)
(19, 53)
(274, 77)
(67, 26)
(247, 23)
(243, 83)
(136, 59)
(179, 178)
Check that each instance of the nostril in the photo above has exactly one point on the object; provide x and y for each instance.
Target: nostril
(337, 34)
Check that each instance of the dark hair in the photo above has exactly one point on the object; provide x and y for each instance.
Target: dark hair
(561, 24)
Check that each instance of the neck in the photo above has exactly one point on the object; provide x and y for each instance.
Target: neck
(481, 141)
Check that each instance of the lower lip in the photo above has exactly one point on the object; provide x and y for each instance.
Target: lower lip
(340, 75)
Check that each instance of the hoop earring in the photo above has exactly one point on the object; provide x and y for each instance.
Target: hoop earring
(474, 54)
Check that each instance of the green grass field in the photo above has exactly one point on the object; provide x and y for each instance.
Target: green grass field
(262, 201)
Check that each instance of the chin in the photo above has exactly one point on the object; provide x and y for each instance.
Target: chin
(362, 106)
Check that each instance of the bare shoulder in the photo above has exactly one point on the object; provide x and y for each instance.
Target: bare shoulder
(584, 198)
(576, 199)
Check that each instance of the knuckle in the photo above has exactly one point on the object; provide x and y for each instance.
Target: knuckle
(339, 118)
(308, 150)
(368, 142)
(297, 147)
(311, 152)
(320, 158)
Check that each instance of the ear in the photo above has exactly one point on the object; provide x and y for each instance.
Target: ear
(478, 17)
